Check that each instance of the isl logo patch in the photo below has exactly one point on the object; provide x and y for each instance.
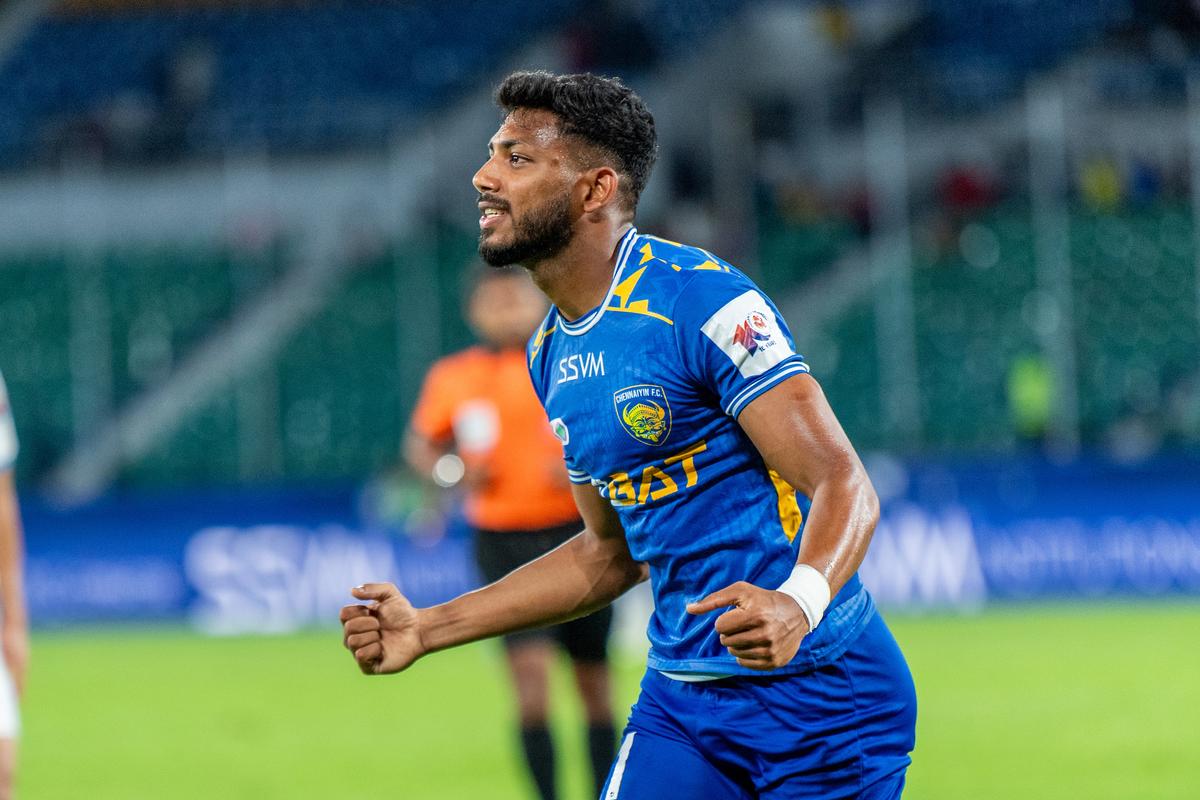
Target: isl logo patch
(753, 333)
(644, 412)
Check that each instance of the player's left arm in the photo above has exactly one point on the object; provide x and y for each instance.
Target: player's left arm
(799, 437)
(14, 630)
(585, 573)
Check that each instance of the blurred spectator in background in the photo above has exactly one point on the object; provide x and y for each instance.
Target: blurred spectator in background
(1181, 16)
(14, 631)
(836, 23)
(612, 35)
(146, 123)
(1030, 390)
(478, 420)
(1145, 182)
(964, 190)
(186, 87)
(858, 209)
(1100, 183)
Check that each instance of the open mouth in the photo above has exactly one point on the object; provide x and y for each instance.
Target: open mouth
(491, 217)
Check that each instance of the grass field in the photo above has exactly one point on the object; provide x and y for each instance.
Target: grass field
(1051, 702)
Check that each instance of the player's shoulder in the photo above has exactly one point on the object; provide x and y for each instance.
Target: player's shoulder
(539, 338)
(682, 259)
(686, 272)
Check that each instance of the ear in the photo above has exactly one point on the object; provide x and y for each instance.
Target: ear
(601, 187)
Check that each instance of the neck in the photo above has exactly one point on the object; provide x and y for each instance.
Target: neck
(577, 279)
(503, 347)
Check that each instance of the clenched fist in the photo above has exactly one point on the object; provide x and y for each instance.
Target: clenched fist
(384, 636)
(764, 628)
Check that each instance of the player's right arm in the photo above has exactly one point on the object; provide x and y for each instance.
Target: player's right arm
(422, 452)
(430, 433)
(585, 573)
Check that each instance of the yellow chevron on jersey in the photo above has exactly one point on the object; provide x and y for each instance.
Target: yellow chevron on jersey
(623, 294)
(535, 346)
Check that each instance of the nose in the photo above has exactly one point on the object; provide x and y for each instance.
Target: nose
(485, 179)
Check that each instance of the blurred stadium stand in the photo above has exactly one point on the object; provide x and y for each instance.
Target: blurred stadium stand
(144, 81)
(236, 233)
(297, 83)
(975, 54)
(141, 81)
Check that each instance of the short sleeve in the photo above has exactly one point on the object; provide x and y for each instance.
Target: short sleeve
(574, 475)
(8, 431)
(433, 416)
(733, 339)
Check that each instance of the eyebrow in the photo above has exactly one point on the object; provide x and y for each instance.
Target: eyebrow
(506, 144)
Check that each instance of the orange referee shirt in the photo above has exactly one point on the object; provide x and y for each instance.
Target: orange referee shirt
(483, 401)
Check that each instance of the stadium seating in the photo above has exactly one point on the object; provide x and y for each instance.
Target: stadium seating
(286, 76)
(978, 53)
(290, 77)
(1134, 307)
(339, 387)
(1136, 310)
(35, 354)
(299, 77)
(343, 383)
(971, 324)
(792, 253)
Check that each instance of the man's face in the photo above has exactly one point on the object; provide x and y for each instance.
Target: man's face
(525, 191)
(505, 310)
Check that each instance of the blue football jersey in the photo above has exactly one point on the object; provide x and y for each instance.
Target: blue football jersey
(644, 392)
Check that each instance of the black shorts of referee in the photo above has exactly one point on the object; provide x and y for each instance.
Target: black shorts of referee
(500, 552)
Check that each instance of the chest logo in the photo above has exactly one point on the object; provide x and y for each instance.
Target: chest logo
(644, 412)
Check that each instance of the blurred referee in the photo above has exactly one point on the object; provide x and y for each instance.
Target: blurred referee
(14, 630)
(478, 420)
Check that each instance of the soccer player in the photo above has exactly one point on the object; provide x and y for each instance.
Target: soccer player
(705, 457)
(479, 404)
(14, 630)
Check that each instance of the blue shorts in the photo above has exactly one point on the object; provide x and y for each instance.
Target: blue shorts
(841, 731)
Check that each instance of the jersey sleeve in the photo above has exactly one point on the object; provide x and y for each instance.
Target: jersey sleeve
(574, 474)
(433, 416)
(732, 338)
(8, 431)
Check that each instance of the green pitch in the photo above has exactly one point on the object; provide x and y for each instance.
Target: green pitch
(1035, 703)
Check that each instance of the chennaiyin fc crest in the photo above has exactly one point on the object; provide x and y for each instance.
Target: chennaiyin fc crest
(644, 412)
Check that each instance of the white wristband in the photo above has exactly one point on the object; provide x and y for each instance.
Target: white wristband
(808, 587)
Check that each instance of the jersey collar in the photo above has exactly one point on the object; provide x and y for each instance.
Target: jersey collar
(585, 323)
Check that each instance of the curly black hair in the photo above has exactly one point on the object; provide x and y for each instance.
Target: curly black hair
(602, 112)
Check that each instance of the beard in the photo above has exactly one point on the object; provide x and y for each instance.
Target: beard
(541, 233)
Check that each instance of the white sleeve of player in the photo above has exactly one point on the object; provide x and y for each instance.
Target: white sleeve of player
(8, 431)
(746, 330)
